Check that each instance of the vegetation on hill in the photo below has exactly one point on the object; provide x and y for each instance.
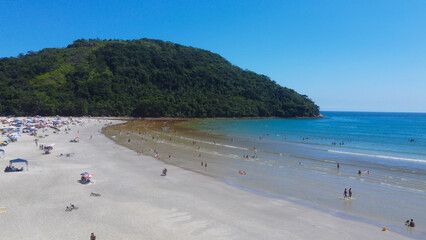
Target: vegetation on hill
(141, 78)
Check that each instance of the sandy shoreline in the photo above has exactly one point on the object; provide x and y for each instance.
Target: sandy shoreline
(138, 203)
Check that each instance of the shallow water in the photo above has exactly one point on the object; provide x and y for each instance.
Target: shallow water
(281, 164)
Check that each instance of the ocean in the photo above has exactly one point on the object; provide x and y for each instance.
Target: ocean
(381, 156)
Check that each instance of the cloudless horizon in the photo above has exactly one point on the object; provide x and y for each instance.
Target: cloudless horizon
(345, 55)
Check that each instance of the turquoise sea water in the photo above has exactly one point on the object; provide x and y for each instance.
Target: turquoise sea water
(381, 134)
(295, 159)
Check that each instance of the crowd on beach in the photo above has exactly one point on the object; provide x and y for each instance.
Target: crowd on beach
(38, 127)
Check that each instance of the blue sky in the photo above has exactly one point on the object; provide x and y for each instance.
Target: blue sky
(345, 55)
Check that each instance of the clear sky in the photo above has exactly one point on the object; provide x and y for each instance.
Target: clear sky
(345, 55)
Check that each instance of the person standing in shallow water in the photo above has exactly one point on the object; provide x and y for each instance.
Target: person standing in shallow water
(345, 194)
(350, 192)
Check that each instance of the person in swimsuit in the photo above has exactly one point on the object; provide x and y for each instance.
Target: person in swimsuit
(345, 194)
(350, 192)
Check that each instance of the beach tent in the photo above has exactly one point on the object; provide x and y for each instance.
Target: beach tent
(18, 160)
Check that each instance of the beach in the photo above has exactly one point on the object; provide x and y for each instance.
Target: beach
(136, 202)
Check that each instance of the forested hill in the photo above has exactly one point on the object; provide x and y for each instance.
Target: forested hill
(141, 78)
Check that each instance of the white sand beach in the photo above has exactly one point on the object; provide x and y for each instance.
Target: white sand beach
(136, 202)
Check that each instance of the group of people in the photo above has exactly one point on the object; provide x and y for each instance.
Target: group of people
(13, 169)
(85, 179)
(365, 172)
(409, 223)
(346, 192)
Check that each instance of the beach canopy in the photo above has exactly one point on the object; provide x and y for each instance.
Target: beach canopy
(18, 160)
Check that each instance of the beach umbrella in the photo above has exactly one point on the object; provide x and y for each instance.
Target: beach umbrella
(89, 175)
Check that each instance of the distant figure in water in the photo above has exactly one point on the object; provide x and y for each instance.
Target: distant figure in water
(345, 194)
(128, 140)
(205, 164)
(338, 165)
(164, 171)
(359, 172)
(412, 224)
(350, 192)
(407, 223)
(202, 164)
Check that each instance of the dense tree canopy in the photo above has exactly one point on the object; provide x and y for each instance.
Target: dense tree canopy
(141, 78)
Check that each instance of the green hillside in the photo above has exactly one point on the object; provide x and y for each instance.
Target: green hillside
(141, 78)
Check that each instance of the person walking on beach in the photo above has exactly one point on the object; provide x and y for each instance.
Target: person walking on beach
(92, 236)
(345, 194)
(350, 192)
